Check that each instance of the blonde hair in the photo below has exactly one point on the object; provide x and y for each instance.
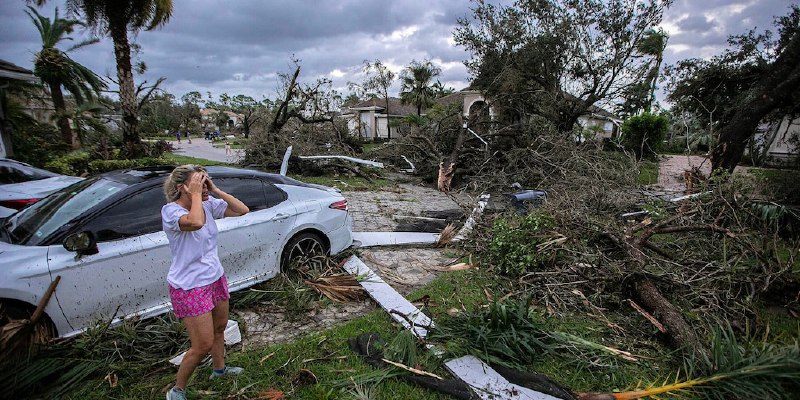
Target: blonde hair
(178, 177)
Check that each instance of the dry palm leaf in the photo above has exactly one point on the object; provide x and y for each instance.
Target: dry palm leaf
(456, 267)
(447, 234)
(23, 333)
(340, 288)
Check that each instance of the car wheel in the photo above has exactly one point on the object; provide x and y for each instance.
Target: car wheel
(11, 311)
(306, 249)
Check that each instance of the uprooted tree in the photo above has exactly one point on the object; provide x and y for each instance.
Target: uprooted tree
(555, 59)
(755, 81)
(303, 117)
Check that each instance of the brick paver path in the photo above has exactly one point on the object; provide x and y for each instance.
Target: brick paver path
(671, 168)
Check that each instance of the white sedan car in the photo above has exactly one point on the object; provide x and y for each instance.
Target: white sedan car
(103, 237)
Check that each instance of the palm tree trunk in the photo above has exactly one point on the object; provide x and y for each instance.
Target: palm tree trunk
(127, 96)
(63, 122)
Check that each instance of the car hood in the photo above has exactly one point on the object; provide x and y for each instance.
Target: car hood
(36, 189)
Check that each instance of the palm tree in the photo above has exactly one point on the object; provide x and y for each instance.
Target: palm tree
(416, 86)
(653, 44)
(116, 18)
(57, 69)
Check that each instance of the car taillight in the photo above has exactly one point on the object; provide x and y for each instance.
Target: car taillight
(339, 205)
(18, 204)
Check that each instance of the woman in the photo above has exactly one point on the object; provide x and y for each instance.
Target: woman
(197, 285)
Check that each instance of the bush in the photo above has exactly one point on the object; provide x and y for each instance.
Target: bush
(70, 164)
(644, 134)
(82, 163)
(100, 166)
(38, 144)
(514, 245)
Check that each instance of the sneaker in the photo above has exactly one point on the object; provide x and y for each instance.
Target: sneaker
(226, 371)
(176, 394)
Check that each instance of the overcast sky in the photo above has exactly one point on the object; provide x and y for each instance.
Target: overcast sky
(238, 46)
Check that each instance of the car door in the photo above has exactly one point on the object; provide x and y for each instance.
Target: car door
(128, 273)
(250, 245)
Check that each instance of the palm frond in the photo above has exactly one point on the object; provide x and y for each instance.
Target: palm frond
(731, 370)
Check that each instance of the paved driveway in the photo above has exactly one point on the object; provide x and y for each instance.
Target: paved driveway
(202, 148)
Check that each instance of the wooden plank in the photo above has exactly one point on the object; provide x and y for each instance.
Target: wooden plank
(488, 384)
(400, 309)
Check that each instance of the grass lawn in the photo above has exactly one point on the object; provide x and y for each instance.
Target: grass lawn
(648, 173)
(178, 159)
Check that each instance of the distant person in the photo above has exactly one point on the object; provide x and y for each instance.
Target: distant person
(178, 135)
(189, 137)
(227, 148)
(198, 288)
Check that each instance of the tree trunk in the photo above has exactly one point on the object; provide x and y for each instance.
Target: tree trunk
(127, 95)
(388, 129)
(774, 90)
(60, 105)
(679, 330)
(447, 167)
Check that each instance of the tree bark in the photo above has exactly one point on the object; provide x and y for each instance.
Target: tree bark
(127, 95)
(447, 167)
(60, 105)
(775, 89)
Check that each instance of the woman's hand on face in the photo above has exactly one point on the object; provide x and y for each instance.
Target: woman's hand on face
(212, 188)
(195, 184)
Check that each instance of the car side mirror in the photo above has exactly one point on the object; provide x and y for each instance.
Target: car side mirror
(82, 242)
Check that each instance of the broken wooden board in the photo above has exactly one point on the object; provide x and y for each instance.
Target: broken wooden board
(483, 200)
(371, 239)
(400, 309)
(487, 383)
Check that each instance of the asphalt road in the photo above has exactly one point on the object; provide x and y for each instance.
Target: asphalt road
(202, 148)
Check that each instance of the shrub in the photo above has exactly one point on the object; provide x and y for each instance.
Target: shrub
(644, 134)
(100, 166)
(37, 144)
(70, 164)
(514, 245)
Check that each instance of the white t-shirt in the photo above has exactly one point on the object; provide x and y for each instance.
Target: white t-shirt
(195, 261)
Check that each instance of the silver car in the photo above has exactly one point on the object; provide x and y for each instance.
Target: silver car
(22, 184)
(103, 237)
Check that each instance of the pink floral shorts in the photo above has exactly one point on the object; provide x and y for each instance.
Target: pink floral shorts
(199, 300)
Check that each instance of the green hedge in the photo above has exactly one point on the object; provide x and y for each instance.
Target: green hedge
(82, 164)
(644, 134)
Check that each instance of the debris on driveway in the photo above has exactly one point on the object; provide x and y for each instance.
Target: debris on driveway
(346, 158)
(400, 309)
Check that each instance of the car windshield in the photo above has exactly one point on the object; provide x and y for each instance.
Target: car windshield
(40, 220)
(13, 172)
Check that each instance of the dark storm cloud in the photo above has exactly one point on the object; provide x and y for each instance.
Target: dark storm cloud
(239, 47)
(696, 23)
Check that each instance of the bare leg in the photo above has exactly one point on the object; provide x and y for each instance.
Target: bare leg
(201, 335)
(220, 317)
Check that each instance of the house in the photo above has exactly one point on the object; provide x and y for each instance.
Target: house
(601, 122)
(782, 139)
(208, 119)
(8, 73)
(369, 119)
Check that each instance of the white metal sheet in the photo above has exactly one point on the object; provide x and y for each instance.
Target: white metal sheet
(370, 239)
(389, 299)
(487, 383)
